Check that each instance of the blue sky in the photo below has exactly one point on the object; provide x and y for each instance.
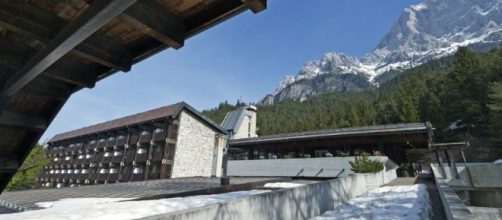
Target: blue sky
(242, 58)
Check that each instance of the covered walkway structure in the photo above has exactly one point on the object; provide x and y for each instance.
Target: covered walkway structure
(51, 49)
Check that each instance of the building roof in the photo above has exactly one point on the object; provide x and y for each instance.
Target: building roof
(140, 190)
(424, 128)
(154, 114)
(51, 49)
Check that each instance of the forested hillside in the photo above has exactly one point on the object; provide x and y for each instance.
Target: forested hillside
(461, 95)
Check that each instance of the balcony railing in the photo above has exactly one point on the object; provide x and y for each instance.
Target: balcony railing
(121, 140)
(145, 137)
(159, 135)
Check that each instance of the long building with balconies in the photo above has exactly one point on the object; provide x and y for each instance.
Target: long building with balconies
(171, 141)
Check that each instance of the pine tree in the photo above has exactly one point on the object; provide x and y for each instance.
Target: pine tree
(495, 125)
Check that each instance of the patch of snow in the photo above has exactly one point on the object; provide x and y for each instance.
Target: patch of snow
(419, 7)
(282, 185)
(455, 125)
(391, 202)
(120, 208)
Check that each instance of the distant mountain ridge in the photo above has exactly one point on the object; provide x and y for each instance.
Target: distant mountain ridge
(429, 30)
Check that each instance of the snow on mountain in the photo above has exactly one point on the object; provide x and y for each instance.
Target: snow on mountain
(428, 30)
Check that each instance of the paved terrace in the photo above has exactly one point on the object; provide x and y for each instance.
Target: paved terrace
(153, 189)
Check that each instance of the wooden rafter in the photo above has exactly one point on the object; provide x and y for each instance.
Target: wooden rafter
(96, 48)
(156, 21)
(93, 18)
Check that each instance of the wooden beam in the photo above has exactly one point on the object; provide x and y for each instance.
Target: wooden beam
(8, 164)
(48, 92)
(24, 121)
(153, 19)
(256, 5)
(42, 26)
(93, 18)
(70, 72)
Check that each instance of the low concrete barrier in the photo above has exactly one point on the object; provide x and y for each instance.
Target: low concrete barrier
(454, 207)
(298, 167)
(301, 202)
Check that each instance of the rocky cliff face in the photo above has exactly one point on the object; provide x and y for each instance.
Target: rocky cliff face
(429, 30)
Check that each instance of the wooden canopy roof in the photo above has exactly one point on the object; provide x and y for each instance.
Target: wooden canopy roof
(416, 134)
(51, 49)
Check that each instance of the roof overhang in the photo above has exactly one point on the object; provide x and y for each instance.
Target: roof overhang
(51, 49)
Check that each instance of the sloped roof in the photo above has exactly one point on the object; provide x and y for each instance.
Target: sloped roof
(158, 113)
(403, 128)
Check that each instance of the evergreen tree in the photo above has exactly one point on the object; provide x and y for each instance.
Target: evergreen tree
(29, 170)
(495, 125)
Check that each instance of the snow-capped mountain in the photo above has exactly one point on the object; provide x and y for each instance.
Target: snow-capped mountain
(429, 30)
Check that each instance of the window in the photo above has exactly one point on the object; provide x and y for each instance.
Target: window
(51, 172)
(157, 148)
(76, 171)
(81, 156)
(114, 170)
(158, 130)
(93, 141)
(155, 168)
(69, 171)
(121, 137)
(59, 185)
(67, 158)
(103, 170)
(88, 156)
(145, 132)
(56, 159)
(117, 153)
(63, 171)
(102, 140)
(85, 171)
(126, 169)
(111, 139)
(141, 150)
(137, 170)
(108, 154)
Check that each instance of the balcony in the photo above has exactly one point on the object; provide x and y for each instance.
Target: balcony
(154, 171)
(159, 134)
(157, 151)
(118, 154)
(145, 137)
(133, 139)
(121, 140)
(141, 154)
(101, 143)
(107, 157)
(169, 153)
(130, 153)
(138, 173)
(125, 174)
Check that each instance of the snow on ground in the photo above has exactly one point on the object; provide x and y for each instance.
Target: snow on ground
(119, 208)
(391, 202)
(282, 185)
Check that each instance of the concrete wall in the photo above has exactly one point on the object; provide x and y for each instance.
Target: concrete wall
(300, 167)
(486, 213)
(195, 149)
(453, 206)
(486, 198)
(296, 203)
(247, 127)
(484, 175)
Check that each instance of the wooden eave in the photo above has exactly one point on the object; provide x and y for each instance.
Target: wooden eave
(51, 49)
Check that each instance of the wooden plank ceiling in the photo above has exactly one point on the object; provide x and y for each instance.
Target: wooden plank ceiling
(50, 49)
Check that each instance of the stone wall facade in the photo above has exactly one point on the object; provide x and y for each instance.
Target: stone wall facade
(195, 148)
